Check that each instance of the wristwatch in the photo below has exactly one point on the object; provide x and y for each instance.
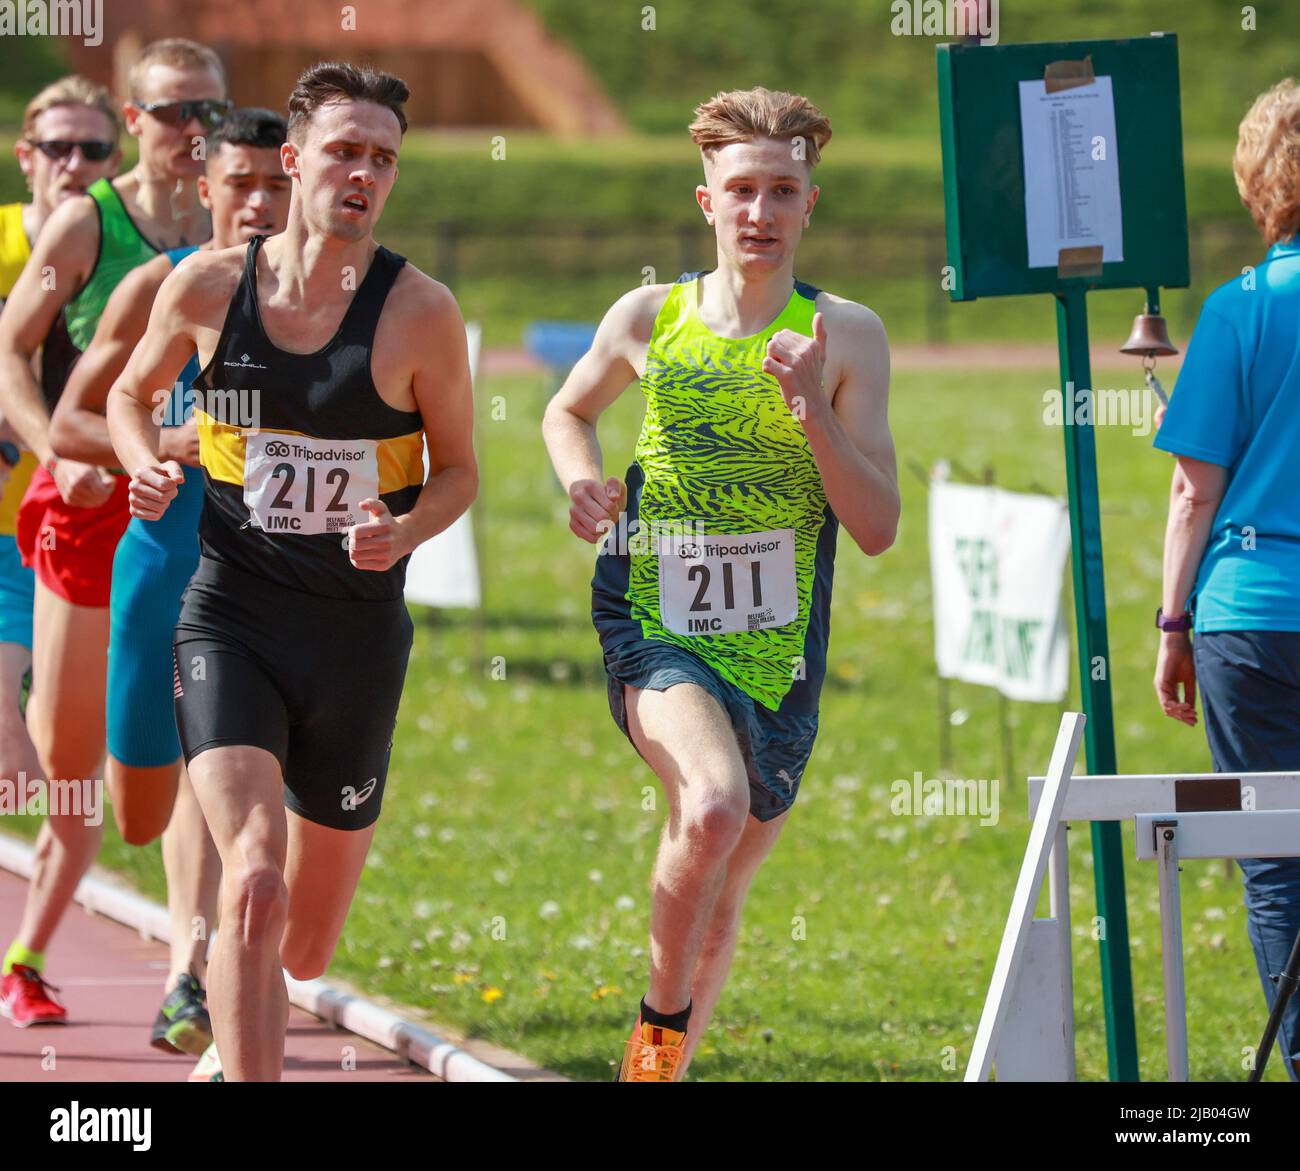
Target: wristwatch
(1183, 622)
(10, 454)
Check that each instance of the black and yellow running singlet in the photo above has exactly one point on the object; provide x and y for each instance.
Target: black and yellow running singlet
(292, 443)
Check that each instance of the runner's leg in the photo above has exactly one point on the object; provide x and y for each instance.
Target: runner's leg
(324, 867)
(240, 790)
(17, 752)
(65, 716)
(720, 938)
(686, 737)
(193, 884)
(142, 797)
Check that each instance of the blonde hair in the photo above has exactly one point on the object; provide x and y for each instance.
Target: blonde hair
(179, 54)
(743, 115)
(73, 90)
(1266, 163)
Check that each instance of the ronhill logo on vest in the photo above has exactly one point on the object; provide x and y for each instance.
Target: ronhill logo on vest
(245, 363)
(54, 18)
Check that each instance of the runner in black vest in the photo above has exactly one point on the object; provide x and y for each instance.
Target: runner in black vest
(326, 359)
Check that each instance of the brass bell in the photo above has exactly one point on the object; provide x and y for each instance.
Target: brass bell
(1150, 336)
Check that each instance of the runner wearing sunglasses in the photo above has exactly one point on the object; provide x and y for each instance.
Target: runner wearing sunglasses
(71, 110)
(207, 112)
(73, 513)
(61, 150)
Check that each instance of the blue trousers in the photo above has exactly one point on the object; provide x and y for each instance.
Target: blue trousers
(1249, 682)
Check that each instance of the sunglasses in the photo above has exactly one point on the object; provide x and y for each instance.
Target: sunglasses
(92, 150)
(210, 113)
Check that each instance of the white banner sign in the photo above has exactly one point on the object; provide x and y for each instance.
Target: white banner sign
(997, 560)
(444, 570)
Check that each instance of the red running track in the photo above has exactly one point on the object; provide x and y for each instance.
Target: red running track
(112, 986)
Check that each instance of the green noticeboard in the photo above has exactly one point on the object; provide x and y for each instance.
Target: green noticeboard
(1062, 173)
(984, 163)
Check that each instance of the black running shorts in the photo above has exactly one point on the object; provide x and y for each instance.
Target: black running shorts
(315, 681)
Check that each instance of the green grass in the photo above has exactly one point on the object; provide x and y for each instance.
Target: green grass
(515, 808)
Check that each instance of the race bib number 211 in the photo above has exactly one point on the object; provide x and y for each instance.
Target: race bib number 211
(726, 584)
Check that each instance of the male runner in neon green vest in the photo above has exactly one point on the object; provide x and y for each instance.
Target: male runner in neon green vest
(765, 429)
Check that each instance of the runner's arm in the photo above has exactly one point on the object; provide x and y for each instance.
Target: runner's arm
(63, 255)
(444, 394)
(134, 420)
(596, 380)
(848, 432)
(78, 427)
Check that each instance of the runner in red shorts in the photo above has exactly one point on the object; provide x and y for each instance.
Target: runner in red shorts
(69, 141)
(73, 513)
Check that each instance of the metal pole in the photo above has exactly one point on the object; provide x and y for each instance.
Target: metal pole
(1286, 986)
(1171, 950)
(1094, 680)
(945, 725)
(1004, 710)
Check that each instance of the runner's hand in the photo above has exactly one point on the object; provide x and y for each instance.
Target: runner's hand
(82, 485)
(153, 488)
(1175, 665)
(376, 544)
(796, 361)
(594, 509)
(180, 443)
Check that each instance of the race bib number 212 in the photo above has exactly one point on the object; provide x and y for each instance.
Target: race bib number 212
(297, 484)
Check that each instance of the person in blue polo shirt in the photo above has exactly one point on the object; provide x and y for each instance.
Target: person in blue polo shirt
(1232, 546)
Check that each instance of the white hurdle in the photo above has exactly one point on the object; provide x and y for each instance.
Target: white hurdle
(1029, 957)
(1026, 1030)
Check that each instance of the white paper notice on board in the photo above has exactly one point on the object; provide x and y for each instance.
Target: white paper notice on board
(1071, 171)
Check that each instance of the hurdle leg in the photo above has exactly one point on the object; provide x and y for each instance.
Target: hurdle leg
(1059, 895)
(1171, 948)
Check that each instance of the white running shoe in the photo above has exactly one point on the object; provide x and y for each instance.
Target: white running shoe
(209, 1067)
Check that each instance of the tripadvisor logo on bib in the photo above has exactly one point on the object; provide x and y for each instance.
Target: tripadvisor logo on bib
(278, 449)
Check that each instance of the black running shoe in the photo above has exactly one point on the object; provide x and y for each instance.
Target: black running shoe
(183, 1025)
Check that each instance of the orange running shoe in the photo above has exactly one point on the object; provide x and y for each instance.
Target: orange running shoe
(652, 1054)
(25, 1001)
